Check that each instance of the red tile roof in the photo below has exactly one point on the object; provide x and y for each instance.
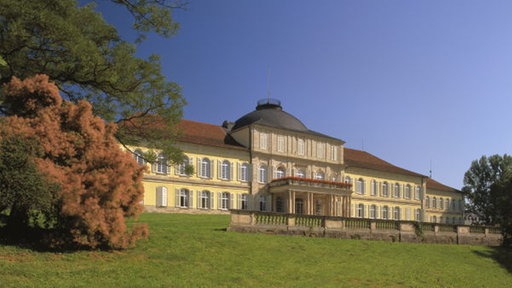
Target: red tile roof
(433, 184)
(205, 134)
(362, 159)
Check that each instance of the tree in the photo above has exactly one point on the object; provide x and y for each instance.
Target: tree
(87, 60)
(99, 184)
(488, 189)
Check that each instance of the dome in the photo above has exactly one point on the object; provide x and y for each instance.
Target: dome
(269, 112)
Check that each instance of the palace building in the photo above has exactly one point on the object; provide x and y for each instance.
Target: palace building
(268, 160)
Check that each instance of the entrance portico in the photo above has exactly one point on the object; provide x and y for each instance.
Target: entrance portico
(310, 196)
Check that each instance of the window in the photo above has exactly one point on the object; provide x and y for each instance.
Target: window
(225, 170)
(434, 219)
(385, 189)
(427, 202)
(300, 173)
(417, 215)
(320, 150)
(434, 203)
(184, 199)
(205, 200)
(318, 207)
(263, 141)
(417, 195)
(243, 201)
(182, 166)
(300, 147)
(299, 206)
(280, 173)
(161, 164)
(205, 171)
(373, 188)
(263, 203)
(441, 203)
(243, 173)
(396, 213)
(319, 175)
(373, 212)
(225, 199)
(396, 190)
(161, 196)
(360, 186)
(385, 212)
(139, 157)
(348, 180)
(360, 211)
(279, 205)
(447, 204)
(407, 192)
(280, 144)
(263, 173)
(334, 153)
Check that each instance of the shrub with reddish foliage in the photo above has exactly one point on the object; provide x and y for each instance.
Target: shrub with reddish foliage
(100, 184)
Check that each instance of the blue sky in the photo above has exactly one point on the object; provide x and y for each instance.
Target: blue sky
(419, 84)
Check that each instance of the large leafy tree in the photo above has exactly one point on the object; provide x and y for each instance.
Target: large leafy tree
(488, 189)
(99, 184)
(88, 60)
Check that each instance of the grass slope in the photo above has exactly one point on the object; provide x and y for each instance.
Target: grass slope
(195, 251)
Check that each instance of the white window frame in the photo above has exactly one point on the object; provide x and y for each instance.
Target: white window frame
(205, 168)
(385, 212)
(396, 190)
(244, 172)
(373, 211)
(407, 192)
(263, 173)
(225, 170)
(139, 157)
(300, 173)
(161, 165)
(183, 165)
(396, 213)
(225, 199)
(417, 192)
(280, 172)
(360, 211)
(319, 175)
(205, 199)
(385, 189)
(184, 198)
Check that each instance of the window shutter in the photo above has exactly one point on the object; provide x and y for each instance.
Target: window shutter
(268, 203)
(199, 166)
(219, 200)
(239, 171)
(219, 169)
(176, 168)
(177, 197)
(238, 202)
(199, 199)
(231, 196)
(191, 199)
(231, 171)
(212, 165)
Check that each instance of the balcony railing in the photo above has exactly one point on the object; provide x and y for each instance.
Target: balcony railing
(298, 181)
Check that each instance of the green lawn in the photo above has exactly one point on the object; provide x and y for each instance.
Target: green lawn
(196, 251)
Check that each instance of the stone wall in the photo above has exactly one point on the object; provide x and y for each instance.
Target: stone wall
(365, 229)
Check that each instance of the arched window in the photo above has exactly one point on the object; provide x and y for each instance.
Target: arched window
(396, 213)
(374, 188)
(263, 203)
(434, 203)
(300, 173)
(360, 211)
(183, 198)
(441, 203)
(280, 172)
(263, 173)
(183, 165)
(373, 212)
(348, 180)
(205, 171)
(447, 204)
(319, 175)
(360, 186)
(427, 202)
(244, 172)
(225, 199)
(407, 191)
(385, 189)
(205, 199)
(417, 192)
(161, 164)
(396, 190)
(225, 170)
(139, 157)
(385, 212)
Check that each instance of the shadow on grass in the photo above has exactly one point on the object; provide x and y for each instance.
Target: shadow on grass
(38, 240)
(502, 255)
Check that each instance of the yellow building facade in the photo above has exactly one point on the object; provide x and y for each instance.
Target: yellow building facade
(268, 160)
